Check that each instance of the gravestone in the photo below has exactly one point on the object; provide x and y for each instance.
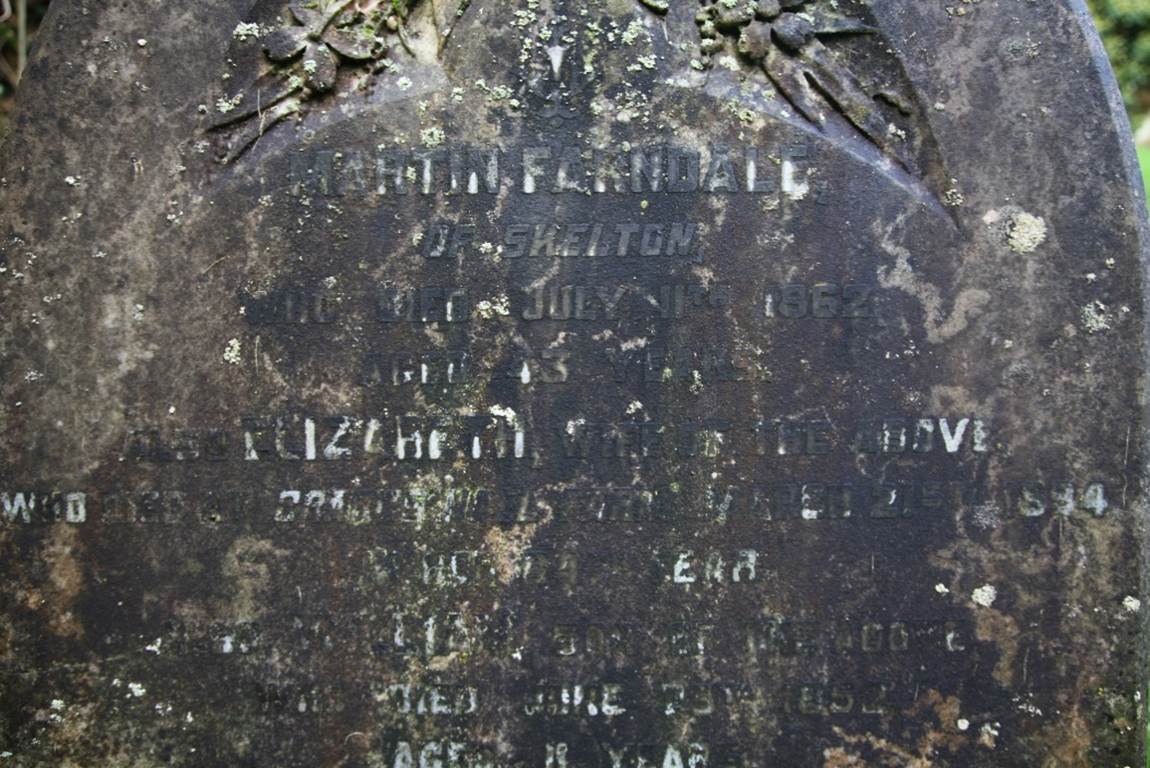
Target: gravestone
(563, 384)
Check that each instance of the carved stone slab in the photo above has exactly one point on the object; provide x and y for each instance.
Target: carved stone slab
(556, 384)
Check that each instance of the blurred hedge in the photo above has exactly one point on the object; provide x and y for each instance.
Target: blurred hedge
(1125, 27)
(8, 54)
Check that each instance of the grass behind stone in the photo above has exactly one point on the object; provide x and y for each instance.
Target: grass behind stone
(1144, 157)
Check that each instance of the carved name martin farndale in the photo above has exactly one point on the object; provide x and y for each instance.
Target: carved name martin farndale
(714, 169)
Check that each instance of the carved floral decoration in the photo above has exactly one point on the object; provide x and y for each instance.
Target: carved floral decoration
(791, 41)
(318, 42)
(303, 59)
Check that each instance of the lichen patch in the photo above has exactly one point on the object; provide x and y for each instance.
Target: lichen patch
(1026, 232)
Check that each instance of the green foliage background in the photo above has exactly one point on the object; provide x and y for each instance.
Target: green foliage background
(1125, 27)
(35, 9)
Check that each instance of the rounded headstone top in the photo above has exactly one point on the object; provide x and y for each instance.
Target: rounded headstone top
(547, 383)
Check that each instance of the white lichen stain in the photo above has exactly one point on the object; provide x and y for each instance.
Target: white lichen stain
(505, 413)
(1096, 317)
(984, 596)
(901, 276)
(232, 352)
(1026, 233)
(1029, 708)
(499, 307)
(432, 137)
(225, 105)
(987, 516)
(245, 31)
(506, 549)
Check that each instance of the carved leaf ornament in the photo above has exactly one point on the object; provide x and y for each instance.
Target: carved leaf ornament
(303, 60)
(791, 41)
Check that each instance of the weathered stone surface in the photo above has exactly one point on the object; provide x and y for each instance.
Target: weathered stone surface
(556, 384)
